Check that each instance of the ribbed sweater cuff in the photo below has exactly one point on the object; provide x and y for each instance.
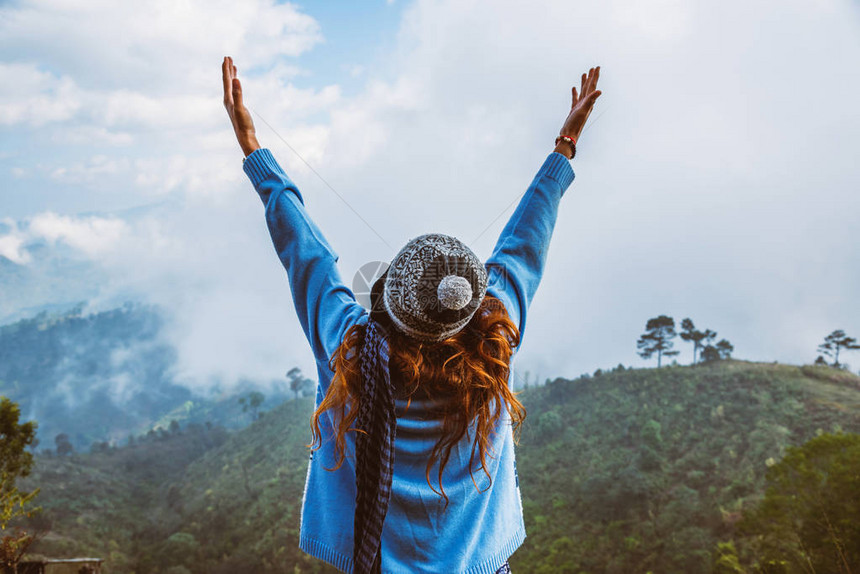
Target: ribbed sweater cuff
(260, 164)
(492, 566)
(325, 553)
(558, 168)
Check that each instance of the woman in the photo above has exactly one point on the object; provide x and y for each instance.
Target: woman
(429, 363)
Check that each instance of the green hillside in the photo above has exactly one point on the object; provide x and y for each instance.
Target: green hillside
(632, 471)
(645, 470)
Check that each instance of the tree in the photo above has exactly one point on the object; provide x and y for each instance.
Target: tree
(722, 350)
(709, 353)
(658, 338)
(64, 445)
(252, 402)
(297, 380)
(691, 334)
(836, 341)
(13, 547)
(549, 425)
(810, 515)
(15, 462)
(309, 387)
(726, 559)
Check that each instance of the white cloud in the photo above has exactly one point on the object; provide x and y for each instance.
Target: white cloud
(663, 20)
(125, 108)
(12, 248)
(91, 235)
(694, 191)
(96, 168)
(147, 79)
(153, 47)
(713, 181)
(35, 97)
(85, 135)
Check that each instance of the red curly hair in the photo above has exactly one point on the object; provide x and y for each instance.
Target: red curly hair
(471, 368)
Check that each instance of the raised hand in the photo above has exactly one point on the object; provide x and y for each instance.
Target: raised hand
(582, 104)
(243, 124)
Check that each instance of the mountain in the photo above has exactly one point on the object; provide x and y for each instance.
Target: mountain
(48, 273)
(631, 471)
(53, 280)
(107, 375)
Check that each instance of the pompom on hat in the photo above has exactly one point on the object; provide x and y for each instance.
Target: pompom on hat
(431, 289)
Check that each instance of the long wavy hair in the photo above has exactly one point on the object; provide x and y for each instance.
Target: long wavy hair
(468, 370)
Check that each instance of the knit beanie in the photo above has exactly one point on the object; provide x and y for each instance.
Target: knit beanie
(432, 287)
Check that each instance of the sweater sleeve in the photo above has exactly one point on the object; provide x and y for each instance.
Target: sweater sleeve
(325, 306)
(517, 263)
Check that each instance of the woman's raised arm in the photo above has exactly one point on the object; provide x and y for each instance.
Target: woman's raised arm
(517, 263)
(325, 306)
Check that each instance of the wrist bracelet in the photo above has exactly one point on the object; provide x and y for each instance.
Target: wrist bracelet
(570, 141)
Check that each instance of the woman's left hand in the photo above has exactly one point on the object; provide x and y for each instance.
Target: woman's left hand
(243, 124)
(581, 105)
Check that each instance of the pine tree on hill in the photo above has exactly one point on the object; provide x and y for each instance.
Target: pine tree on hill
(722, 350)
(691, 334)
(836, 341)
(658, 338)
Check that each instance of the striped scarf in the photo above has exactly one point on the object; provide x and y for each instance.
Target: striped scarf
(374, 450)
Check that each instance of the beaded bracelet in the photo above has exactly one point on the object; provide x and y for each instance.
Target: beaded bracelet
(569, 140)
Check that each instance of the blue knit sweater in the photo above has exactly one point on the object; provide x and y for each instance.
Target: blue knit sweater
(480, 529)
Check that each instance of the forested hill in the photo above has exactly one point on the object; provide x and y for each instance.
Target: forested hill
(628, 472)
(645, 470)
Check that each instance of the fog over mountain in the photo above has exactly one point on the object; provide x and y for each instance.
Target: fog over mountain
(716, 180)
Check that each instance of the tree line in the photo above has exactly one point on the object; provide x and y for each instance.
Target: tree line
(659, 332)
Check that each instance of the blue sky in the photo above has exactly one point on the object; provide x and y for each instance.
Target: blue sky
(358, 37)
(717, 179)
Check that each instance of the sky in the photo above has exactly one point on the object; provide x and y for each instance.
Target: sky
(717, 178)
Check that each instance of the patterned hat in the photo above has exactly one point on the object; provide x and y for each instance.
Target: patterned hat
(432, 287)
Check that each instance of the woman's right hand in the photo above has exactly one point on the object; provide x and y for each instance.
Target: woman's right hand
(582, 105)
(240, 117)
